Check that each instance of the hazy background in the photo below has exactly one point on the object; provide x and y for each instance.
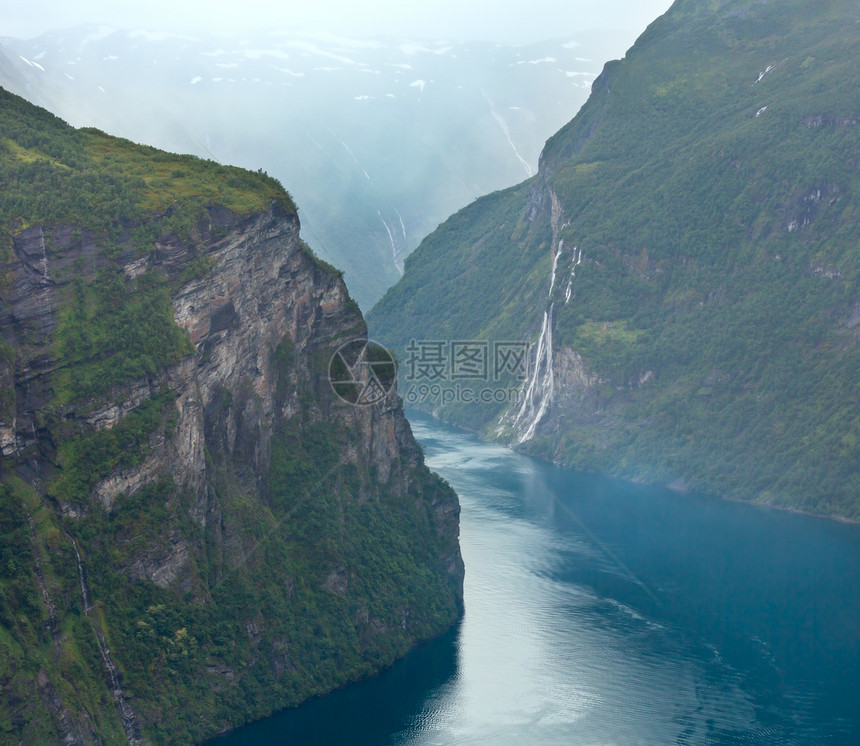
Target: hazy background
(381, 119)
(513, 21)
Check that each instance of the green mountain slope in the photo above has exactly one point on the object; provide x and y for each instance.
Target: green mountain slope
(194, 529)
(702, 212)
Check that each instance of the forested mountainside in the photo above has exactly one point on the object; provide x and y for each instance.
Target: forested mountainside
(685, 264)
(194, 529)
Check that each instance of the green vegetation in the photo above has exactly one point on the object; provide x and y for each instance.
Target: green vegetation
(717, 302)
(85, 459)
(280, 568)
(115, 331)
(53, 174)
(337, 576)
(38, 562)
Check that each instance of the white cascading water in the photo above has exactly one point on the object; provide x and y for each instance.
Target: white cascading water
(45, 294)
(577, 260)
(539, 387)
(402, 226)
(554, 267)
(504, 127)
(398, 264)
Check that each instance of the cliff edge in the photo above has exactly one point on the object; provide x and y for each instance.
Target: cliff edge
(196, 529)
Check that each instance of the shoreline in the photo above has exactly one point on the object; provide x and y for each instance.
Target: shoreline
(677, 485)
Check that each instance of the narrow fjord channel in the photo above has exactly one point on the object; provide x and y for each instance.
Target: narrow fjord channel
(600, 612)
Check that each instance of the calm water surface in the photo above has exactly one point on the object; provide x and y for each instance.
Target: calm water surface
(599, 612)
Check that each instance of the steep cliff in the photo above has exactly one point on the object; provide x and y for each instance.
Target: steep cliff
(196, 529)
(685, 265)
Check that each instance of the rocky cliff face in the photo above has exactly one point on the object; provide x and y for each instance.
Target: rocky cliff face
(255, 540)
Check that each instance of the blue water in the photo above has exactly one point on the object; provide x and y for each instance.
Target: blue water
(600, 612)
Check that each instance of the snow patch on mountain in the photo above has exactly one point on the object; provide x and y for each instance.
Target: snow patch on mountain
(31, 63)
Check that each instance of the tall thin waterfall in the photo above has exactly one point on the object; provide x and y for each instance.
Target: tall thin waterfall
(128, 717)
(575, 262)
(539, 387)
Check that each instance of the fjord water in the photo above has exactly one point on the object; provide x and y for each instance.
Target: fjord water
(600, 612)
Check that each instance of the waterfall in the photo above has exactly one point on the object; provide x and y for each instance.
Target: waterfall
(85, 596)
(127, 716)
(44, 261)
(554, 267)
(45, 294)
(539, 387)
(576, 261)
(507, 133)
(398, 265)
(402, 225)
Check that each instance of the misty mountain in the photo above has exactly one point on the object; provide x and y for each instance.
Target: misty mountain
(685, 265)
(379, 140)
